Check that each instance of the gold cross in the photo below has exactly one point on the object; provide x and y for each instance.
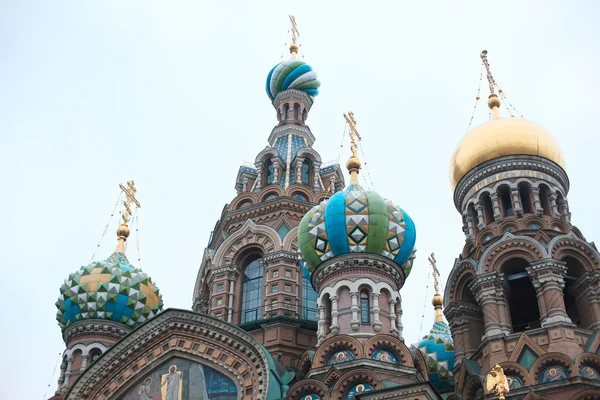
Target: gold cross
(353, 132)
(130, 192)
(294, 29)
(490, 78)
(436, 273)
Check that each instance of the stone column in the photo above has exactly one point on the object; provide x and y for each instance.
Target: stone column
(586, 291)
(393, 327)
(355, 323)
(516, 198)
(488, 290)
(275, 170)
(537, 203)
(335, 326)
(321, 324)
(316, 177)
(376, 310)
(399, 321)
(68, 372)
(555, 213)
(480, 220)
(299, 161)
(332, 184)
(84, 362)
(61, 378)
(231, 297)
(470, 229)
(548, 280)
(564, 211)
(496, 206)
(244, 185)
(258, 179)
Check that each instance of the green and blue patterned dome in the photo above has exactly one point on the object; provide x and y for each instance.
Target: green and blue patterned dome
(438, 350)
(292, 74)
(357, 221)
(112, 290)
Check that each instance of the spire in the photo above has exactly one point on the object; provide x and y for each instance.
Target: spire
(437, 298)
(295, 35)
(493, 100)
(123, 230)
(353, 163)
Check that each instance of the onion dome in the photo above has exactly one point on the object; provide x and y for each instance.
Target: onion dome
(438, 350)
(437, 347)
(112, 290)
(357, 221)
(292, 74)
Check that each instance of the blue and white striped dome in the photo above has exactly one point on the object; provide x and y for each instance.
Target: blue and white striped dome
(292, 74)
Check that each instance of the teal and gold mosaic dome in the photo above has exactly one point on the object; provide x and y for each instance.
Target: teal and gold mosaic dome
(357, 221)
(112, 289)
(438, 350)
(292, 74)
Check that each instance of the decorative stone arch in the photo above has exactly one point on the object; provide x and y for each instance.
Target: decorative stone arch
(559, 226)
(334, 343)
(184, 334)
(571, 246)
(261, 236)
(266, 154)
(468, 248)
(296, 188)
(268, 191)
(534, 219)
(549, 359)
(591, 394)
(351, 378)
(513, 368)
(392, 344)
(242, 199)
(509, 247)
(587, 359)
(356, 285)
(462, 271)
(305, 361)
(472, 386)
(483, 233)
(309, 153)
(420, 364)
(290, 241)
(308, 386)
(502, 227)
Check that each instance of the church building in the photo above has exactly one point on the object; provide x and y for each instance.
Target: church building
(299, 291)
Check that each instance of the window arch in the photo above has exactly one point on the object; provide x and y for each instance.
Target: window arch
(488, 210)
(309, 300)
(545, 199)
(252, 290)
(286, 111)
(504, 194)
(474, 218)
(365, 312)
(577, 309)
(521, 296)
(270, 168)
(296, 111)
(526, 198)
(305, 172)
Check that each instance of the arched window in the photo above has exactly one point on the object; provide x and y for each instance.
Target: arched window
(286, 111)
(488, 210)
(365, 313)
(545, 199)
(94, 354)
(305, 172)
(578, 310)
(526, 199)
(296, 111)
(474, 218)
(309, 300)
(270, 172)
(252, 291)
(504, 194)
(521, 296)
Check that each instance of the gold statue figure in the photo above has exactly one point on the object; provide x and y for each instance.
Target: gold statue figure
(496, 382)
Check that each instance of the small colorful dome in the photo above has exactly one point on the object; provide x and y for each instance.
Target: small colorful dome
(112, 289)
(357, 221)
(438, 350)
(292, 74)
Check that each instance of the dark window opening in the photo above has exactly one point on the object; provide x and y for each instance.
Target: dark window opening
(488, 210)
(504, 194)
(474, 217)
(572, 306)
(521, 296)
(526, 200)
(296, 111)
(305, 172)
(252, 291)
(270, 172)
(365, 315)
(545, 200)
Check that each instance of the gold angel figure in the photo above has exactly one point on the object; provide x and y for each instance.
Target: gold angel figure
(496, 382)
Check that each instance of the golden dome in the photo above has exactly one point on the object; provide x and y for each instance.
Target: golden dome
(502, 137)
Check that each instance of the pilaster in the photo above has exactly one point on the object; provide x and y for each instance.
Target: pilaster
(488, 290)
(547, 277)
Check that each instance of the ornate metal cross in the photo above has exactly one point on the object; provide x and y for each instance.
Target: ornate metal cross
(130, 192)
(436, 273)
(353, 132)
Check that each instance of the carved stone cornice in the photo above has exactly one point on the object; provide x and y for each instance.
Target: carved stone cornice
(547, 271)
(461, 312)
(231, 270)
(113, 331)
(487, 286)
(279, 256)
(500, 169)
(367, 261)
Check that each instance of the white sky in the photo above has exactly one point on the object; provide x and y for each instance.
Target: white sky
(171, 94)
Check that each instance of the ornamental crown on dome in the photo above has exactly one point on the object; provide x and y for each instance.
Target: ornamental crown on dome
(357, 221)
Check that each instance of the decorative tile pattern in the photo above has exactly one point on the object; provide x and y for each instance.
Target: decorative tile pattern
(588, 372)
(358, 389)
(438, 349)
(112, 289)
(385, 356)
(340, 356)
(357, 221)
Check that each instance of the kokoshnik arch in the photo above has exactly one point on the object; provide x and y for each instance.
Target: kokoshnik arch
(298, 294)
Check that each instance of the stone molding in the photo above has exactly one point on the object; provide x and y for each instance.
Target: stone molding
(112, 331)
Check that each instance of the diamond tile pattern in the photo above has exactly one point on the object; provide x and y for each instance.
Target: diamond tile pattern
(112, 289)
(438, 349)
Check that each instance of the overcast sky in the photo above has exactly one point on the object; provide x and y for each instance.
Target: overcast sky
(171, 94)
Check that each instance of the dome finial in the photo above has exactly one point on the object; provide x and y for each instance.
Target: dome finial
(493, 100)
(295, 35)
(437, 298)
(353, 163)
(123, 230)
